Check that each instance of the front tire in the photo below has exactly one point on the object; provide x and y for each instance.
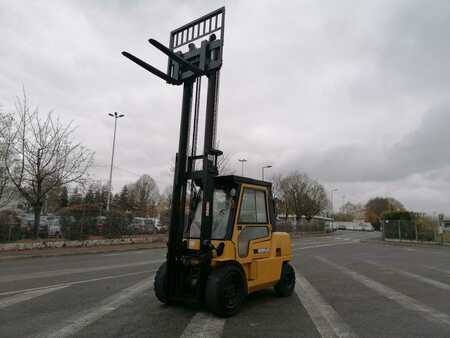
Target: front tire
(160, 282)
(286, 284)
(225, 290)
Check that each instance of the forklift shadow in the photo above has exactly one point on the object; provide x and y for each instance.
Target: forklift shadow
(266, 297)
(183, 307)
(257, 299)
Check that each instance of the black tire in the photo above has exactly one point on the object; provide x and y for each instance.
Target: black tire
(226, 289)
(159, 283)
(286, 284)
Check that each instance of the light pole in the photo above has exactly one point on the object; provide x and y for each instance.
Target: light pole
(115, 116)
(262, 171)
(332, 207)
(242, 160)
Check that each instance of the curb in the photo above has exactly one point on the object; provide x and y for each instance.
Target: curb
(405, 243)
(58, 253)
(60, 244)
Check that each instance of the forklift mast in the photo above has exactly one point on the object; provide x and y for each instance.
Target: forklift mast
(187, 65)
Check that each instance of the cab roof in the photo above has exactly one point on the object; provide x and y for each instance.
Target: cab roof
(241, 179)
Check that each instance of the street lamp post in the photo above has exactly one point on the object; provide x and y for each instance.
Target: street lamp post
(242, 160)
(262, 171)
(332, 207)
(115, 116)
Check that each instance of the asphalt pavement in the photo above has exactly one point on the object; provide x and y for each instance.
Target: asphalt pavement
(348, 285)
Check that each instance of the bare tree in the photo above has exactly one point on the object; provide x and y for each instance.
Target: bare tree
(41, 155)
(223, 165)
(6, 190)
(303, 195)
(144, 194)
(278, 195)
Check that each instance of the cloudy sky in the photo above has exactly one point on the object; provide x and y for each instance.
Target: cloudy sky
(355, 93)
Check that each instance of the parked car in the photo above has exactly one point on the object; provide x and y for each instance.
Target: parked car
(366, 227)
(54, 231)
(43, 227)
(100, 224)
(161, 228)
(142, 225)
(54, 228)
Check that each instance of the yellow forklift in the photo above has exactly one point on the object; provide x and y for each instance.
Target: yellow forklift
(222, 241)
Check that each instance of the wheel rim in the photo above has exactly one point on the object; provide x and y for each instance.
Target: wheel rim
(232, 291)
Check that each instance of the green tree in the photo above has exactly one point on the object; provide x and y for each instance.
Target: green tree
(124, 199)
(89, 198)
(115, 201)
(64, 197)
(97, 197)
(103, 196)
(76, 197)
(378, 206)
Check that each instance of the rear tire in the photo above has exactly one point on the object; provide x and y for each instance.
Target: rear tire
(160, 282)
(225, 290)
(286, 284)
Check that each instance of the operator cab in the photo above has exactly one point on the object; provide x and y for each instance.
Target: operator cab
(254, 207)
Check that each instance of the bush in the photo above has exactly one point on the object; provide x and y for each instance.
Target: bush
(117, 224)
(425, 229)
(78, 221)
(313, 225)
(399, 215)
(72, 228)
(408, 227)
(282, 227)
(445, 237)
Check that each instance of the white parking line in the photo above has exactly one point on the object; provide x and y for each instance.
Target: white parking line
(322, 245)
(115, 254)
(204, 325)
(422, 279)
(315, 239)
(62, 272)
(325, 318)
(76, 323)
(8, 301)
(65, 284)
(303, 243)
(325, 240)
(447, 272)
(407, 302)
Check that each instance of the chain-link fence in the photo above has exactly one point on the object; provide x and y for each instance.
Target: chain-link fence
(311, 226)
(76, 225)
(413, 230)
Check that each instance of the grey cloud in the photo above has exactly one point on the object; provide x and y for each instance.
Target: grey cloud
(426, 148)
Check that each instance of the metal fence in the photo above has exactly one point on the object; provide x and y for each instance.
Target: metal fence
(414, 231)
(312, 226)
